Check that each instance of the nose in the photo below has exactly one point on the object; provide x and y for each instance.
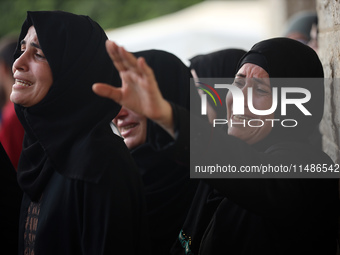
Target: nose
(121, 115)
(20, 63)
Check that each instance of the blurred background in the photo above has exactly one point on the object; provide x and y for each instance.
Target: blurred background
(183, 27)
(190, 27)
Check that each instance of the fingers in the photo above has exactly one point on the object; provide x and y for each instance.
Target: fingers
(105, 90)
(129, 60)
(145, 69)
(122, 59)
(113, 52)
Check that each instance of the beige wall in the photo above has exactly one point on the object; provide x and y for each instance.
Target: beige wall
(329, 52)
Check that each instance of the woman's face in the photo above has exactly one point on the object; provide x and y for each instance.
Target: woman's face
(251, 75)
(31, 71)
(132, 127)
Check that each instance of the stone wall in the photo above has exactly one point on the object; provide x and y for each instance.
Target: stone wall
(329, 52)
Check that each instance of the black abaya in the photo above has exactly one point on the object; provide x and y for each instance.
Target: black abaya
(169, 190)
(80, 183)
(266, 216)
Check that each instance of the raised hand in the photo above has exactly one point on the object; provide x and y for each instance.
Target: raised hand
(139, 91)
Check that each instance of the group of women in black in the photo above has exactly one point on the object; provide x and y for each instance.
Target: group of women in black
(86, 193)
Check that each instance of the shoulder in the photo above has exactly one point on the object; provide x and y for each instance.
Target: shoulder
(100, 160)
(299, 152)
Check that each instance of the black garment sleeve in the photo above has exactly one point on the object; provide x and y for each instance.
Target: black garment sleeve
(178, 148)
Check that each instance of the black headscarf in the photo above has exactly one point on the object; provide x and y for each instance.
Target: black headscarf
(289, 63)
(68, 131)
(218, 64)
(173, 79)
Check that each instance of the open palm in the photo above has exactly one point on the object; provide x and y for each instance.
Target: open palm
(139, 91)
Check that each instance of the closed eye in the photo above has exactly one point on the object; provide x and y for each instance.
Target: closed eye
(238, 83)
(40, 56)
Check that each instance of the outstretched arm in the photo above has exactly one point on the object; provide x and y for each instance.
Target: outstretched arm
(139, 91)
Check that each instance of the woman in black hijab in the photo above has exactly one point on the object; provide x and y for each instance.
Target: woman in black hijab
(268, 216)
(248, 216)
(82, 192)
(169, 190)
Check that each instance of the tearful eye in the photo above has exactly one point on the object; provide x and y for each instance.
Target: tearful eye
(40, 56)
(238, 84)
(262, 91)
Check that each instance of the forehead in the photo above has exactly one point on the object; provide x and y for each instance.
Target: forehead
(252, 71)
(31, 35)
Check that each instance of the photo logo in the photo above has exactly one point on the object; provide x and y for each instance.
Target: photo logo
(204, 96)
(238, 103)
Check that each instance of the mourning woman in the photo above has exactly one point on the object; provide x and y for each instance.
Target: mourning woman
(249, 216)
(82, 192)
(164, 170)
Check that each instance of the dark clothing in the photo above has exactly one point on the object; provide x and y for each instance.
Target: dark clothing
(168, 188)
(218, 64)
(169, 193)
(11, 196)
(83, 177)
(79, 217)
(262, 216)
(265, 216)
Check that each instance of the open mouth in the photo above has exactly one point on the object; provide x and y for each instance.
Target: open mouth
(128, 127)
(23, 83)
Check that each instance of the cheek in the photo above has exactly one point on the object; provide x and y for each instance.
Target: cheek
(48, 78)
(229, 98)
(45, 82)
(43, 73)
(267, 126)
(136, 140)
(43, 90)
(262, 103)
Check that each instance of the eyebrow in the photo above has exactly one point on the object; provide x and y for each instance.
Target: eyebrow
(241, 74)
(256, 79)
(23, 42)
